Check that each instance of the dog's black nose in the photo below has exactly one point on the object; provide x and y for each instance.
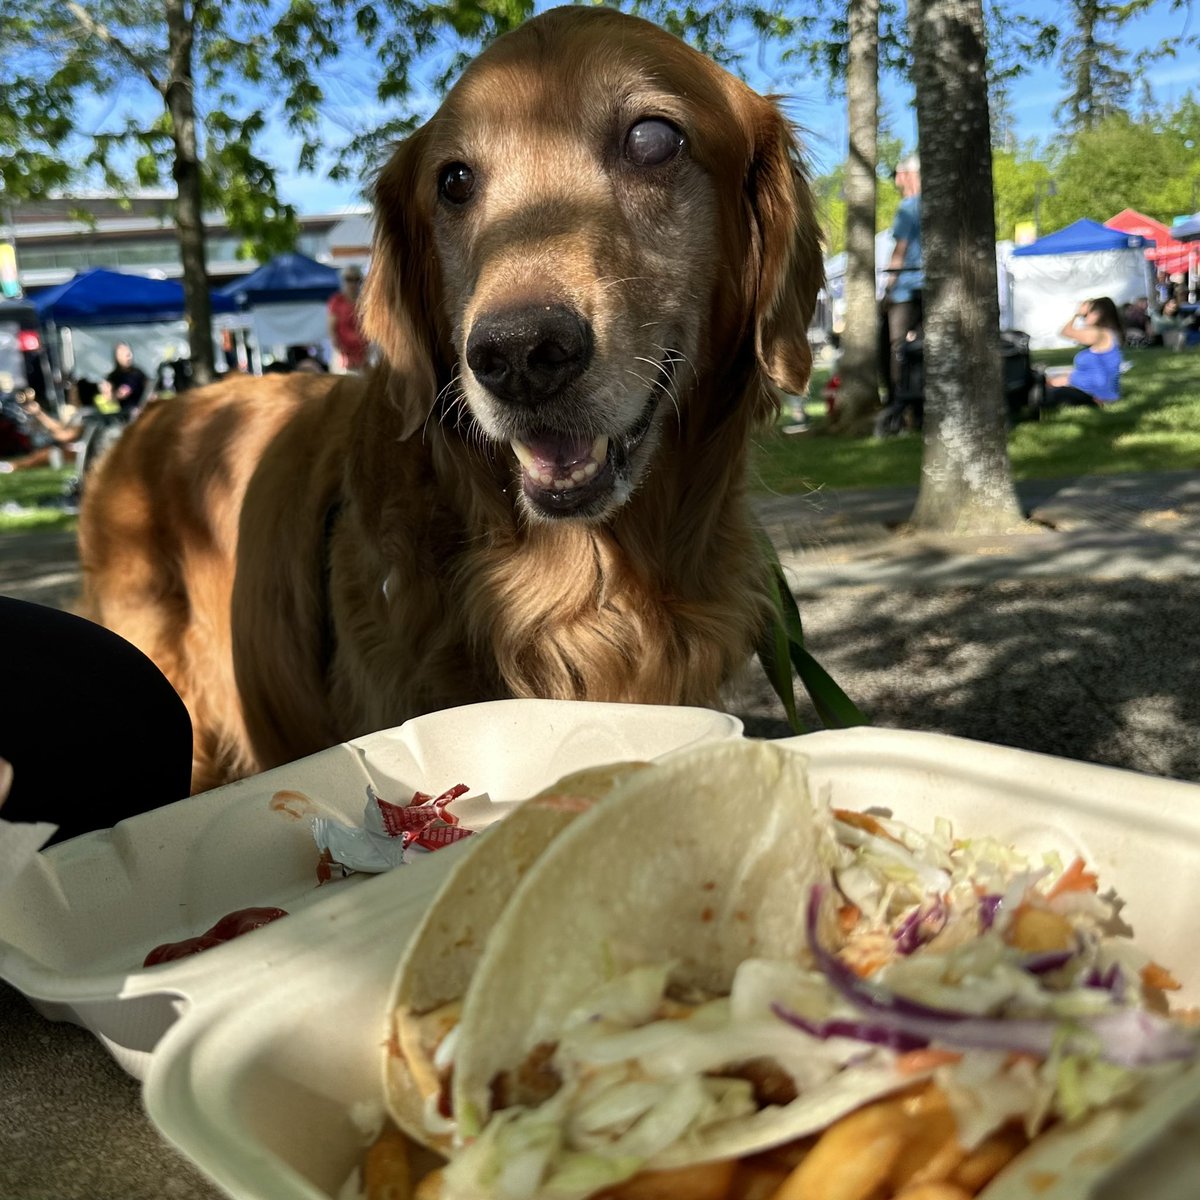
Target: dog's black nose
(525, 355)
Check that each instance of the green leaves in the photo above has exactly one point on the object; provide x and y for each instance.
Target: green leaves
(783, 654)
(244, 185)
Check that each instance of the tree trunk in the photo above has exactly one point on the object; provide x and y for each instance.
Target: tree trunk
(858, 395)
(966, 480)
(189, 210)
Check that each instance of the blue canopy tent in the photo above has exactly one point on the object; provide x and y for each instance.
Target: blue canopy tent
(1187, 230)
(287, 278)
(1084, 237)
(102, 297)
(284, 304)
(1048, 278)
(87, 315)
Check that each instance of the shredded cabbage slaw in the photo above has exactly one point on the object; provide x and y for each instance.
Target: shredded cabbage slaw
(1013, 983)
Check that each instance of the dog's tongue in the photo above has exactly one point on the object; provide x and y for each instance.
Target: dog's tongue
(560, 462)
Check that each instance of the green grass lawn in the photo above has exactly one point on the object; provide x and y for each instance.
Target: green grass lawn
(27, 500)
(1154, 427)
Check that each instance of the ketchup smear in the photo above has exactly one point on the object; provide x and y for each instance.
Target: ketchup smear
(230, 926)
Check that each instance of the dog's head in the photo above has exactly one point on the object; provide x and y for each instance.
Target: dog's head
(597, 226)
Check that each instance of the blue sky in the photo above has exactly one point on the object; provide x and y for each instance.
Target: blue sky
(822, 117)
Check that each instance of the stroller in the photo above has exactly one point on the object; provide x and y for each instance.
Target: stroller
(907, 409)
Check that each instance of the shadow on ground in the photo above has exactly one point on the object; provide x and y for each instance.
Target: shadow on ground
(1084, 646)
(1099, 670)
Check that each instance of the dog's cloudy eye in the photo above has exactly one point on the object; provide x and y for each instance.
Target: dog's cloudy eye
(652, 142)
(456, 183)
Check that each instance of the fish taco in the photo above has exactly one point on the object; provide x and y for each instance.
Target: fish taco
(710, 983)
(441, 957)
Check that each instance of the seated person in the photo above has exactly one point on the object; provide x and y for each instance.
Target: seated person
(1171, 326)
(58, 438)
(1096, 376)
(1136, 320)
(63, 429)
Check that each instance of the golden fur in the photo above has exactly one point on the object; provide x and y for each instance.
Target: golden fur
(310, 559)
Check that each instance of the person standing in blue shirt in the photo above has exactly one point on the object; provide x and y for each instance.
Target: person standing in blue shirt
(906, 279)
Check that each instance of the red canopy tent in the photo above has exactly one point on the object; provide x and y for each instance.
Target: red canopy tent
(1166, 254)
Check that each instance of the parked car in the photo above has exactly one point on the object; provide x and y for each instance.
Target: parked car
(24, 362)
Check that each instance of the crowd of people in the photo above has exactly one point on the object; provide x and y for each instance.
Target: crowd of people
(35, 437)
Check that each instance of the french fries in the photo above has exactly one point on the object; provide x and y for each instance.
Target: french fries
(901, 1148)
(852, 1158)
(705, 1181)
(430, 1188)
(387, 1173)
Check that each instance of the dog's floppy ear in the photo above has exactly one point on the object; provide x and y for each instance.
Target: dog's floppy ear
(401, 301)
(790, 268)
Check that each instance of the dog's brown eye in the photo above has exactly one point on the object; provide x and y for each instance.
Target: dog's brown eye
(653, 142)
(456, 183)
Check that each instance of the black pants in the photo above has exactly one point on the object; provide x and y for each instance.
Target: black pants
(900, 318)
(1066, 397)
(92, 728)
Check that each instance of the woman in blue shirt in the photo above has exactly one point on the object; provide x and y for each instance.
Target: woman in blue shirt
(1096, 376)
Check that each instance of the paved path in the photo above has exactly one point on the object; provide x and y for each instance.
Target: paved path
(40, 567)
(1077, 639)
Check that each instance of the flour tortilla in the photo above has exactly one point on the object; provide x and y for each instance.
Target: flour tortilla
(440, 960)
(703, 860)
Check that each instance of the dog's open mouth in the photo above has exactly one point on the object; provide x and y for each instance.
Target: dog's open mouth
(565, 475)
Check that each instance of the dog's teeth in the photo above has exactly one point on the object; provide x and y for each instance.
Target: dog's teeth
(523, 453)
(589, 469)
(545, 479)
(600, 448)
(578, 476)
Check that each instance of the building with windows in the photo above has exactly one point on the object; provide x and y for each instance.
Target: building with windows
(53, 239)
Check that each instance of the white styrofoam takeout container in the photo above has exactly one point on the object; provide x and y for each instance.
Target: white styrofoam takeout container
(76, 925)
(269, 1085)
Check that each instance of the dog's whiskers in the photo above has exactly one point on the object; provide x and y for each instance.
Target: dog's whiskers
(611, 283)
(674, 357)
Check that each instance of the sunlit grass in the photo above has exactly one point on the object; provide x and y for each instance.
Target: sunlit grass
(1154, 427)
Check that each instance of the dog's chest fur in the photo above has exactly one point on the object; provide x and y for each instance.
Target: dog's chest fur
(559, 611)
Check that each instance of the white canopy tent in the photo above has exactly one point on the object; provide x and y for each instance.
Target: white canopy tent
(1051, 276)
(282, 304)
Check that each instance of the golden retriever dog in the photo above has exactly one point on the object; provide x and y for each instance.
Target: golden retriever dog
(592, 268)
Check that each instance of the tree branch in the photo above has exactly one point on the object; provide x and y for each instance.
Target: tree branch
(106, 35)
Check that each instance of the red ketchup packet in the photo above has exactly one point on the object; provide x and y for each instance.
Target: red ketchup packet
(388, 830)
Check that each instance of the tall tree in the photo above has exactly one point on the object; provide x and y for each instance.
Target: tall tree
(35, 119)
(966, 481)
(1123, 162)
(858, 396)
(1092, 63)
